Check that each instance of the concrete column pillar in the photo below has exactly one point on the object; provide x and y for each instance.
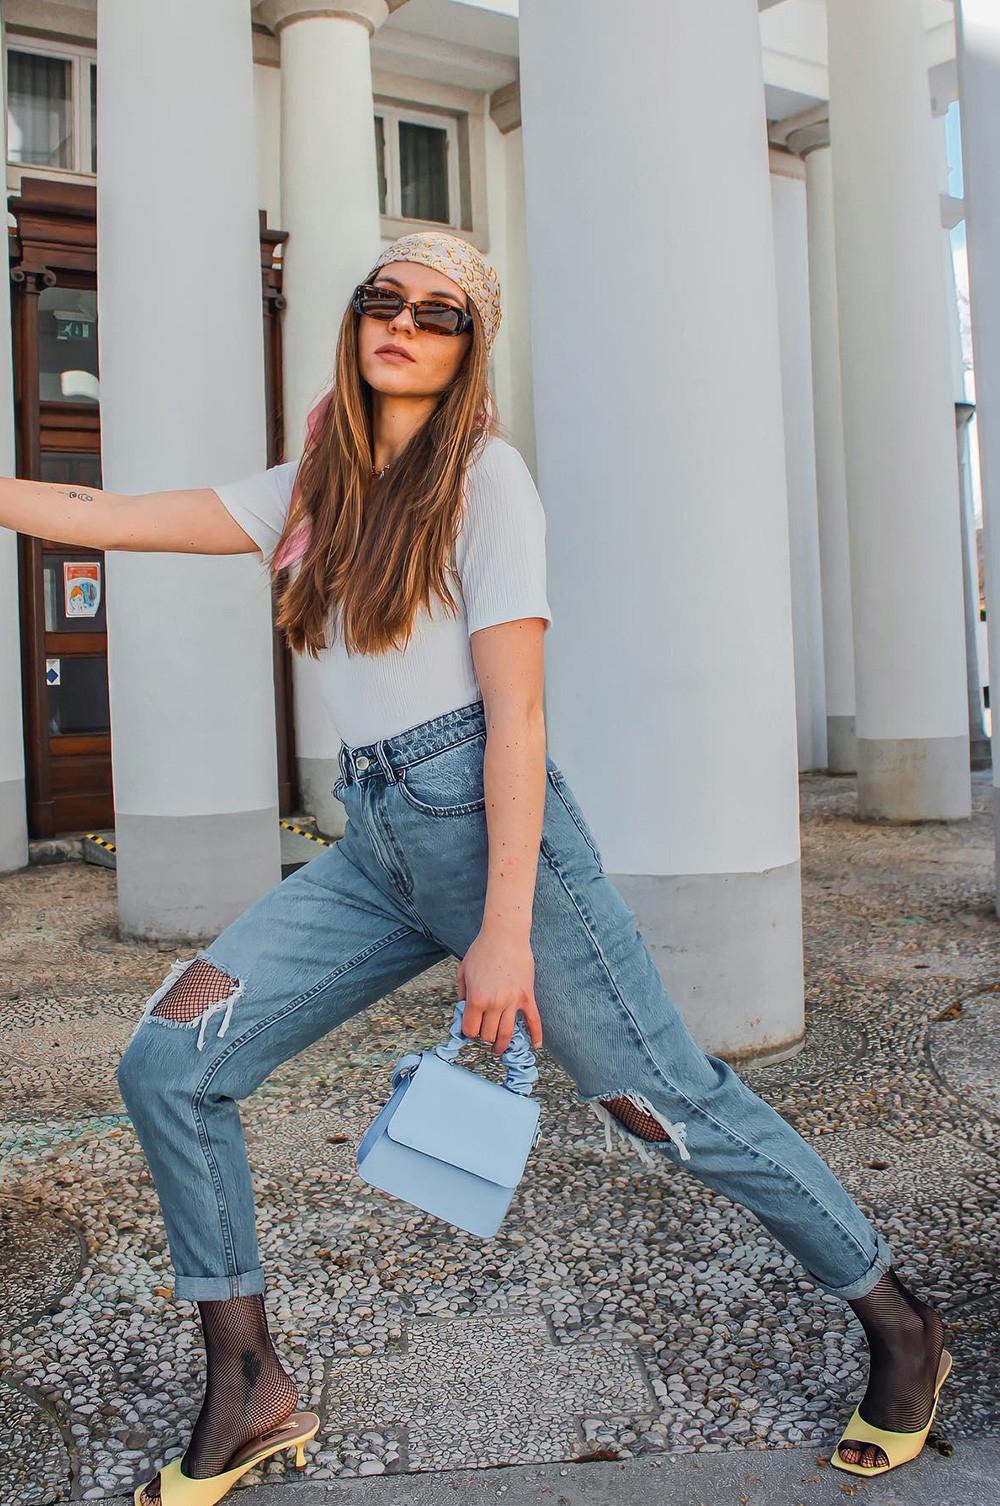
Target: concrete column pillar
(788, 200)
(182, 405)
(978, 36)
(329, 206)
(657, 381)
(811, 141)
(13, 825)
(912, 720)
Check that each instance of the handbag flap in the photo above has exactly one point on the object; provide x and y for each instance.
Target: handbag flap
(462, 1118)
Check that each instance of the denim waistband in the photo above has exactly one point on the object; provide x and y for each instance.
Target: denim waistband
(390, 754)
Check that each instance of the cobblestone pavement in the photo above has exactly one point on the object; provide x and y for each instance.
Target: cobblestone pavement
(620, 1311)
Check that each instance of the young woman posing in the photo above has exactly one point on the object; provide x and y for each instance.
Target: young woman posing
(417, 539)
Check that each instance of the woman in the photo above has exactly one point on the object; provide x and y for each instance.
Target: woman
(463, 839)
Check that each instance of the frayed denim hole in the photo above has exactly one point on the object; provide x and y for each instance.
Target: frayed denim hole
(194, 990)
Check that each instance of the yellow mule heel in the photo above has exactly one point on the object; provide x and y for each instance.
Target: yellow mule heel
(898, 1448)
(179, 1489)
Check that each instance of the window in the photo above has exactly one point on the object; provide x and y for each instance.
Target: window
(67, 345)
(417, 158)
(51, 107)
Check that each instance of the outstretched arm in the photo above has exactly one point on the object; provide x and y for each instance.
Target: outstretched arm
(191, 521)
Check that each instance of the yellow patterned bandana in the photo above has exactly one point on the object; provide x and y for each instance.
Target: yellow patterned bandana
(458, 260)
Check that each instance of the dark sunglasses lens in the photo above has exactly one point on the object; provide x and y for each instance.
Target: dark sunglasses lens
(378, 305)
(442, 318)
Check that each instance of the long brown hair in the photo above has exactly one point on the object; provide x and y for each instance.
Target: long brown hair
(378, 548)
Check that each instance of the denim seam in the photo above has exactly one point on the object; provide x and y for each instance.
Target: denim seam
(399, 879)
(252, 1033)
(696, 1107)
(469, 808)
(463, 808)
(420, 757)
(423, 757)
(585, 833)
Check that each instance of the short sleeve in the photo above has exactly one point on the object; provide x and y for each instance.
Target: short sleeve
(500, 549)
(260, 503)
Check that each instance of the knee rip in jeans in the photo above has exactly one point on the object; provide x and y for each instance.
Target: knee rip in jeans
(193, 991)
(636, 1121)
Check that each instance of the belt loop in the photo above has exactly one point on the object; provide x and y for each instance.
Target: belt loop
(343, 763)
(383, 759)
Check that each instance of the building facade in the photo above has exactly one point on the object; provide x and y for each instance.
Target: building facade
(730, 355)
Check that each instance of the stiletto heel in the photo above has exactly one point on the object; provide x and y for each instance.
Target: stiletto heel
(898, 1448)
(179, 1489)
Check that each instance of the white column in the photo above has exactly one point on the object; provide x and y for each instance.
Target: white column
(812, 143)
(329, 206)
(13, 825)
(978, 35)
(912, 719)
(788, 199)
(670, 680)
(182, 405)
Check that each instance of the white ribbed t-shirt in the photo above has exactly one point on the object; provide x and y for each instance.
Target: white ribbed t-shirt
(500, 558)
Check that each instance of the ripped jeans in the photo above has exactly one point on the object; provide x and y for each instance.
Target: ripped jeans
(402, 889)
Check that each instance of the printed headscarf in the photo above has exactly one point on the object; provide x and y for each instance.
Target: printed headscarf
(458, 260)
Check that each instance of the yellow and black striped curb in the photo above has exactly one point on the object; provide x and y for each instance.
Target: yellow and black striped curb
(300, 831)
(91, 836)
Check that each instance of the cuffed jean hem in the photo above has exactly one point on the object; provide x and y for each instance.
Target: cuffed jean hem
(218, 1288)
(860, 1288)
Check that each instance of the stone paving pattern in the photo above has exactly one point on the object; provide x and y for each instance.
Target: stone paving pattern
(619, 1312)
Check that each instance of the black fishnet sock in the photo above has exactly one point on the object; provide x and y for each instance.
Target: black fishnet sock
(905, 1339)
(247, 1389)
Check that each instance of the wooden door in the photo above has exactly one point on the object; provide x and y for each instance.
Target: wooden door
(53, 271)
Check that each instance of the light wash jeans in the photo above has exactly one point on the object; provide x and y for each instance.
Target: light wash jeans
(404, 888)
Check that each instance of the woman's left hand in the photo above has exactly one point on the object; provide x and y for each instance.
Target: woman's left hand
(496, 978)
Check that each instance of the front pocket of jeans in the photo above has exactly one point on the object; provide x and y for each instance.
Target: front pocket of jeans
(448, 783)
(557, 779)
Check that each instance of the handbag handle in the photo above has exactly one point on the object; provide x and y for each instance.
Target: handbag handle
(519, 1059)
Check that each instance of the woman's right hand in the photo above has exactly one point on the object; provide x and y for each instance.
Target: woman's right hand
(190, 521)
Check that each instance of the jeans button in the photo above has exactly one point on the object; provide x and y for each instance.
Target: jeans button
(362, 762)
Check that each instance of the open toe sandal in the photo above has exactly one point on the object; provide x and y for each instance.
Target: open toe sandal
(179, 1489)
(898, 1448)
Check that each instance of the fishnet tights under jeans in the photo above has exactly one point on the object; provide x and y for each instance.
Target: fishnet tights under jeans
(905, 1340)
(198, 986)
(247, 1390)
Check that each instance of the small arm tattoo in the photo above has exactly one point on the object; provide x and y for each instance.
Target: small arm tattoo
(81, 496)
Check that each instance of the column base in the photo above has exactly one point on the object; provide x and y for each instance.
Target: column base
(980, 752)
(13, 825)
(841, 745)
(914, 778)
(317, 777)
(184, 878)
(729, 950)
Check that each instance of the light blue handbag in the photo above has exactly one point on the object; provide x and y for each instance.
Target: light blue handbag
(450, 1141)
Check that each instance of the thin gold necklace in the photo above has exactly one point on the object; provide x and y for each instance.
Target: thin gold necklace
(381, 473)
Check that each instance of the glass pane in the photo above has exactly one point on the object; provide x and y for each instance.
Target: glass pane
(93, 117)
(39, 110)
(423, 171)
(74, 592)
(380, 161)
(67, 345)
(82, 466)
(77, 691)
